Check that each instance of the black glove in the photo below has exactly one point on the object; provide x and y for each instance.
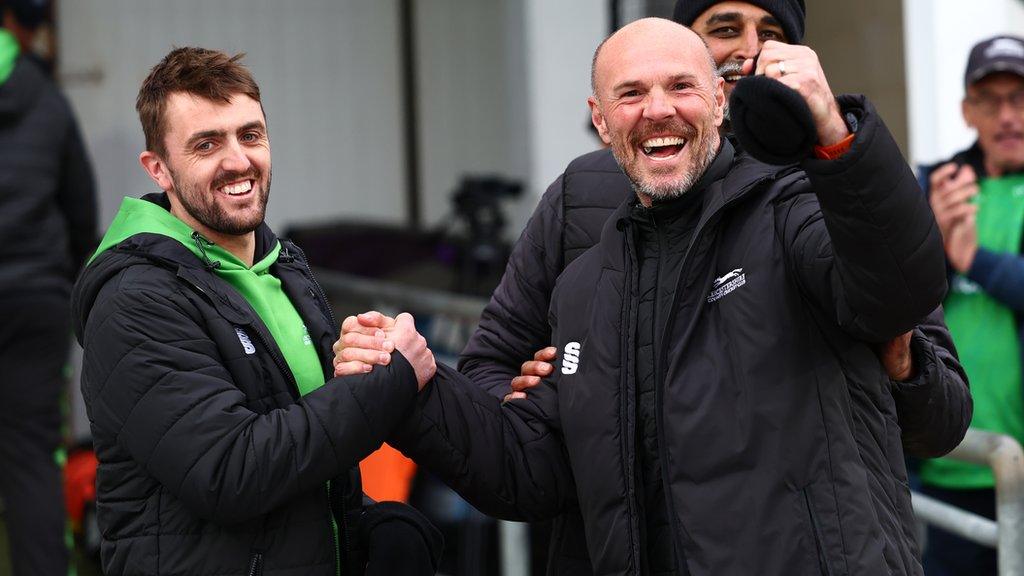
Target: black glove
(771, 121)
(399, 540)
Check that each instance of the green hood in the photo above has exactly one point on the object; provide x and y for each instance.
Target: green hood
(256, 284)
(8, 54)
(137, 216)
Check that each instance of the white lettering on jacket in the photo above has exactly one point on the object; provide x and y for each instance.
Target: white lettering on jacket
(571, 358)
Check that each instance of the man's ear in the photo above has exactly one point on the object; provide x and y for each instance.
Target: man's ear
(157, 169)
(968, 113)
(720, 102)
(597, 117)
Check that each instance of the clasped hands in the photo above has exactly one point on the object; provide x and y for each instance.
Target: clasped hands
(952, 189)
(367, 340)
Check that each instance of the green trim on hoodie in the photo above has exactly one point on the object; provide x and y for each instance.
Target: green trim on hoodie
(9, 51)
(261, 289)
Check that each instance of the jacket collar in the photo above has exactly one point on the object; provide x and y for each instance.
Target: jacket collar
(975, 158)
(735, 175)
(730, 176)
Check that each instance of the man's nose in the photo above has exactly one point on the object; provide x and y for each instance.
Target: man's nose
(749, 44)
(235, 159)
(1009, 112)
(658, 105)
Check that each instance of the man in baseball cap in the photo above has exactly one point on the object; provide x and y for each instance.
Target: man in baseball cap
(978, 200)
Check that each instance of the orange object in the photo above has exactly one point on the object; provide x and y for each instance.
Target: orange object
(79, 484)
(387, 475)
(834, 151)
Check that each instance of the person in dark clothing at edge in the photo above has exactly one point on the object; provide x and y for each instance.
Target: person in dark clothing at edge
(224, 445)
(978, 200)
(745, 295)
(47, 228)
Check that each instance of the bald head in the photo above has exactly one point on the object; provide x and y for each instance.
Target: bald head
(658, 102)
(643, 35)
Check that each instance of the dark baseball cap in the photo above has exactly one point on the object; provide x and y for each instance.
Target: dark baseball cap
(999, 54)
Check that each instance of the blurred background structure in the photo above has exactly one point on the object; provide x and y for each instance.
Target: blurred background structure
(431, 128)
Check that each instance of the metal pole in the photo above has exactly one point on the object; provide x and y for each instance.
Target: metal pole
(515, 548)
(952, 519)
(1006, 458)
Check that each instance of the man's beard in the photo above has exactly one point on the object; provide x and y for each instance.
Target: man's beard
(202, 204)
(701, 154)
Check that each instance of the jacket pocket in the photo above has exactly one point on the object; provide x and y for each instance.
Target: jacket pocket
(816, 534)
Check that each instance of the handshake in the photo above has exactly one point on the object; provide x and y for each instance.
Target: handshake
(367, 340)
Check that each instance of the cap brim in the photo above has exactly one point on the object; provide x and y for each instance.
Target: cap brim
(994, 67)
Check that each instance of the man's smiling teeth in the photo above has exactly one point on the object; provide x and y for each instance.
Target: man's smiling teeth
(237, 188)
(651, 143)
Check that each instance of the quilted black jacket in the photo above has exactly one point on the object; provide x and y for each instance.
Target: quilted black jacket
(209, 461)
(780, 433)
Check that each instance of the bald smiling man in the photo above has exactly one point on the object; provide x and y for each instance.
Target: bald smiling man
(717, 409)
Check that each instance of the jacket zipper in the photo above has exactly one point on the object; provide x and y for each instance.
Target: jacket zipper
(325, 304)
(627, 432)
(334, 521)
(256, 564)
(662, 352)
(341, 524)
(257, 560)
(336, 529)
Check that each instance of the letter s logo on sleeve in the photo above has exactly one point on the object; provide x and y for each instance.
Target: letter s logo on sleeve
(571, 358)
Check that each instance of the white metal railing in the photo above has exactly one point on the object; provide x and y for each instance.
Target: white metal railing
(1004, 455)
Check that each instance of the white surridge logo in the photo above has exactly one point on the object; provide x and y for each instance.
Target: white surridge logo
(726, 284)
(571, 358)
(246, 342)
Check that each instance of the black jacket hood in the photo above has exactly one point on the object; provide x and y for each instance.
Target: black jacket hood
(29, 80)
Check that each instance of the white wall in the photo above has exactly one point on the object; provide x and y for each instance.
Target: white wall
(939, 35)
(560, 39)
(503, 86)
(328, 71)
(467, 83)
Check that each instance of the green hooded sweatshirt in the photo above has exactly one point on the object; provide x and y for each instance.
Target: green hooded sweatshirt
(256, 284)
(8, 54)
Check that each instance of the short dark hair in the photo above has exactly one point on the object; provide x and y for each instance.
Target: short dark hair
(208, 74)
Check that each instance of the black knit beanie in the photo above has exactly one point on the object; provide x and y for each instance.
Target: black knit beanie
(771, 121)
(789, 13)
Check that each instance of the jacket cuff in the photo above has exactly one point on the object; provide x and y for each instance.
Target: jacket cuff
(923, 358)
(868, 124)
(984, 266)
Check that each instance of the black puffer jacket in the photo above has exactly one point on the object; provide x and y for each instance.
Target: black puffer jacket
(935, 407)
(210, 463)
(778, 428)
(47, 195)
